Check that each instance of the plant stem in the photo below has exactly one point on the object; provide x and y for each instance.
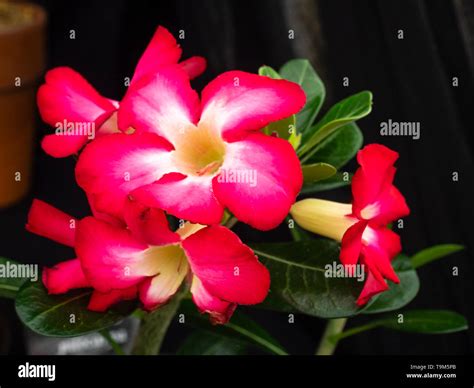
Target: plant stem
(154, 326)
(115, 346)
(328, 343)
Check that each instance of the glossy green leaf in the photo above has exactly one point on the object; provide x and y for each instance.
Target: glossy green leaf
(9, 285)
(317, 172)
(299, 283)
(436, 252)
(64, 315)
(206, 343)
(427, 322)
(283, 128)
(301, 72)
(336, 181)
(340, 147)
(399, 295)
(240, 327)
(344, 112)
(268, 72)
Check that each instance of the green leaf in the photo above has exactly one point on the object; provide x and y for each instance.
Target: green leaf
(416, 321)
(398, 295)
(337, 180)
(299, 283)
(283, 128)
(301, 72)
(340, 147)
(240, 327)
(436, 252)
(50, 315)
(206, 343)
(317, 172)
(9, 286)
(268, 72)
(427, 322)
(344, 112)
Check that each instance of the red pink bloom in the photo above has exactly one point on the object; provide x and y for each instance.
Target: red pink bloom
(362, 226)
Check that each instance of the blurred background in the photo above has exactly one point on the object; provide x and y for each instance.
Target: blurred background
(413, 79)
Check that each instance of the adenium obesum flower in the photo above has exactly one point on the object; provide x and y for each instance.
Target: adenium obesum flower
(149, 260)
(195, 158)
(79, 113)
(361, 227)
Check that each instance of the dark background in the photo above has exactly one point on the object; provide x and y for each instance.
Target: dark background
(411, 80)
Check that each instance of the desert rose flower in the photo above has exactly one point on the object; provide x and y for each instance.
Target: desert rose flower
(79, 113)
(47, 221)
(361, 227)
(148, 258)
(195, 158)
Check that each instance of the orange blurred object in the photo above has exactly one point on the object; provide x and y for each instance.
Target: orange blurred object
(22, 43)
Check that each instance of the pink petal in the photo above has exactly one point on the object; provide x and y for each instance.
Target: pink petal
(391, 206)
(161, 51)
(61, 146)
(237, 102)
(47, 221)
(64, 276)
(111, 257)
(372, 178)
(149, 225)
(265, 202)
(351, 244)
(375, 284)
(194, 66)
(112, 166)
(187, 197)
(66, 95)
(380, 247)
(101, 302)
(163, 103)
(219, 310)
(228, 269)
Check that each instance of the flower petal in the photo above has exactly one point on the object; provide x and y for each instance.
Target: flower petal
(219, 310)
(149, 225)
(112, 166)
(351, 244)
(186, 197)
(237, 102)
(172, 269)
(259, 180)
(111, 257)
(372, 178)
(66, 95)
(163, 103)
(375, 284)
(101, 301)
(161, 51)
(194, 66)
(47, 221)
(64, 276)
(228, 269)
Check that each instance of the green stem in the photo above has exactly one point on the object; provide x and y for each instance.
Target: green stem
(154, 326)
(328, 343)
(355, 330)
(115, 346)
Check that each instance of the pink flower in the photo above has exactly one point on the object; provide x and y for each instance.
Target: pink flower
(79, 113)
(149, 259)
(194, 158)
(362, 226)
